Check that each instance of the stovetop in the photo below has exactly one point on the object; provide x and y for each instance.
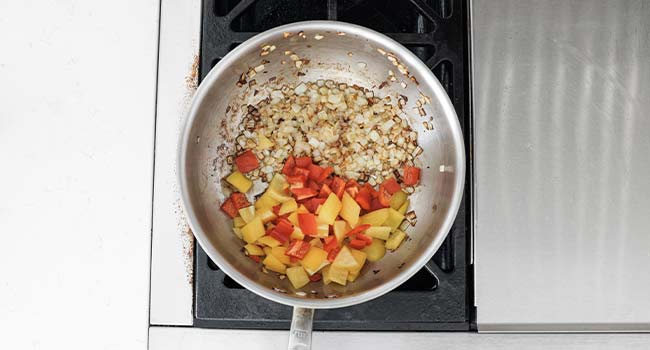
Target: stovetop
(436, 298)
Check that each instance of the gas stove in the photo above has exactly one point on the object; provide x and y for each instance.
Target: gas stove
(438, 297)
(553, 226)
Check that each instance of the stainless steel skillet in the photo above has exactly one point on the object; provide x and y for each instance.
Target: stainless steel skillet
(344, 53)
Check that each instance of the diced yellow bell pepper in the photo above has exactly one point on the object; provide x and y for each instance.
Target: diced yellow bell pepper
(333, 274)
(398, 199)
(350, 209)
(278, 252)
(267, 250)
(297, 276)
(266, 214)
(302, 209)
(288, 207)
(322, 230)
(360, 257)
(247, 213)
(352, 276)
(237, 232)
(268, 241)
(395, 239)
(238, 222)
(297, 233)
(253, 249)
(375, 250)
(273, 264)
(345, 260)
(278, 183)
(375, 218)
(266, 201)
(314, 260)
(329, 210)
(316, 242)
(326, 275)
(279, 196)
(402, 210)
(340, 229)
(253, 230)
(380, 232)
(263, 142)
(293, 218)
(239, 181)
(394, 219)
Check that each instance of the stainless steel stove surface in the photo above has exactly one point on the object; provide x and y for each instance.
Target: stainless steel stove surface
(438, 297)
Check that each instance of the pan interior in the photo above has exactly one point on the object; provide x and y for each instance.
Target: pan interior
(352, 58)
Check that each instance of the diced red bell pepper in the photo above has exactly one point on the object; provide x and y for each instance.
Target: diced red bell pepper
(255, 258)
(279, 236)
(357, 244)
(384, 196)
(296, 179)
(301, 172)
(333, 253)
(338, 186)
(284, 227)
(324, 191)
(307, 223)
(411, 175)
(285, 216)
(376, 204)
(296, 185)
(314, 172)
(329, 239)
(240, 200)
(303, 162)
(328, 182)
(316, 277)
(352, 183)
(357, 230)
(313, 203)
(313, 185)
(229, 208)
(330, 243)
(352, 191)
(293, 260)
(325, 173)
(373, 193)
(364, 238)
(287, 169)
(363, 198)
(276, 209)
(352, 188)
(247, 161)
(391, 185)
(303, 193)
(298, 249)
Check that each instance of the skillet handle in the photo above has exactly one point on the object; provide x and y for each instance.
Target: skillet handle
(300, 332)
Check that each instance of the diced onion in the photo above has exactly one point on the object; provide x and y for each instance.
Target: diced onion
(361, 136)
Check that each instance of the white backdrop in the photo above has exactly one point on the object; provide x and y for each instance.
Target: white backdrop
(77, 102)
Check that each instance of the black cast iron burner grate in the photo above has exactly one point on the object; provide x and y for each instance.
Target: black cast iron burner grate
(436, 298)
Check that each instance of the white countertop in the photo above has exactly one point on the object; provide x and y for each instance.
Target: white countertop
(177, 338)
(77, 85)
